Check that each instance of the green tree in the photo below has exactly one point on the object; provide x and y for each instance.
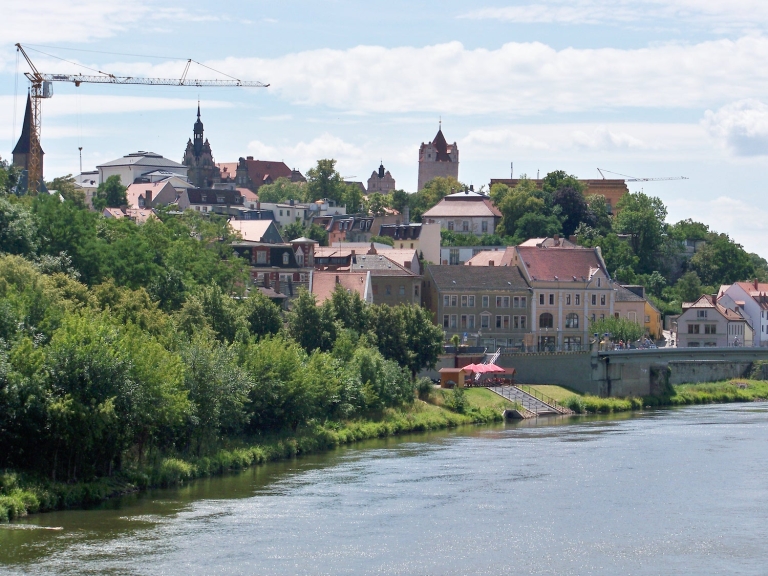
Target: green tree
(282, 190)
(261, 314)
(573, 208)
(18, 229)
(655, 283)
(377, 204)
(398, 200)
(598, 206)
(309, 325)
(618, 328)
(388, 240)
(722, 261)
(642, 218)
(323, 181)
(110, 194)
(352, 198)
(533, 225)
(521, 200)
(292, 231)
(65, 185)
(349, 310)
(433, 191)
(688, 287)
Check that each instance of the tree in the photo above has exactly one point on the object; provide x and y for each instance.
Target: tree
(655, 283)
(261, 314)
(323, 181)
(352, 198)
(537, 225)
(642, 217)
(292, 231)
(388, 240)
(398, 200)
(574, 208)
(601, 216)
(309, 325)
(377, 204)
(282, 190)
(722, 261)
(18, 229)
(9, 177)
(618, 328)
(688, 287)
(110, 194)
(518, 202)
(689, 230)
(65, 185)
(433, 191)
(349, 310)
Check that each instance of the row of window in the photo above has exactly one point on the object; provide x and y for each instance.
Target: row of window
(468, 301)
(576, 299)
(501, 322)
(465, 225)
(696, 328)
(400, 289)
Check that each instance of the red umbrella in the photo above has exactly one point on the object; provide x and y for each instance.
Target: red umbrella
(494, 368)
(470, 367)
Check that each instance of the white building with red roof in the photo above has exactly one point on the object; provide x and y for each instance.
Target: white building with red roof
(705, 323)
(751, 300)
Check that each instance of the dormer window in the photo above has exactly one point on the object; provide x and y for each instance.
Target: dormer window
(220, 199)
(285, 258)
(204, 198)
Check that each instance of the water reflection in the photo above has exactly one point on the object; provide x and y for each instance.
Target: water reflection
(659, 492)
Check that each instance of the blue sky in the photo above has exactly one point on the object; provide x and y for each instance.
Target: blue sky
(644, 87)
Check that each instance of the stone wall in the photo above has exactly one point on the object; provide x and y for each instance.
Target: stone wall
(692, 371)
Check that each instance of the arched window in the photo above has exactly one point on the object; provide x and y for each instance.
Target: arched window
(546, 320)
(572, 320)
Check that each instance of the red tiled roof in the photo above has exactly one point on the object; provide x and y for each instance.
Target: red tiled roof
(565, 263)
(324, 283)
(259, 171)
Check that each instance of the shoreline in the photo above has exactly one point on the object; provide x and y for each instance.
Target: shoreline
(22, 494)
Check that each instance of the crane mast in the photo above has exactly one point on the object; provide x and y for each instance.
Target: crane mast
(41, 88)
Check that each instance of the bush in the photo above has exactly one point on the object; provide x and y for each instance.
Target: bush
(424, 388)
(457, 400)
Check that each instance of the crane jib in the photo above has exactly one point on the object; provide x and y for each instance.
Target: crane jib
(79, 78)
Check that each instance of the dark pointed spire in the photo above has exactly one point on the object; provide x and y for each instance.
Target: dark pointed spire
(24, 145)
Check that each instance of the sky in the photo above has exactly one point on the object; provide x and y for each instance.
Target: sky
(645, 88)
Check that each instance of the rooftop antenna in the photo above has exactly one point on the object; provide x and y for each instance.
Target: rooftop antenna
(80, 148)
(511, 170)
(537, 174)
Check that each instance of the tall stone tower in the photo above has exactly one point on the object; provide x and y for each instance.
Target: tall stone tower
(438, 159)
(203, 172)
(23, 149)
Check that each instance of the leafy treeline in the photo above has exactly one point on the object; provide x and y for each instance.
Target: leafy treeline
(121, 344)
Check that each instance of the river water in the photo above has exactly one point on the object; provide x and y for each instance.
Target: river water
(680, 491)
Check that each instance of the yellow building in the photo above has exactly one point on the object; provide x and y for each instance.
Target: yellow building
(653, 324)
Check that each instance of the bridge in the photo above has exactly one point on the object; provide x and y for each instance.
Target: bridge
(632, 372)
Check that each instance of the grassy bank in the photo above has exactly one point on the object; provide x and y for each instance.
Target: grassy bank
(22, 494)
(740, 390)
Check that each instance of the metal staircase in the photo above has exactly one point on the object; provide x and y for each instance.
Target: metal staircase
(531, 399)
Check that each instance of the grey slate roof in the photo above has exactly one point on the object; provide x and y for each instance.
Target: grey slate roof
(624, 295)
(143, 159)
(472, 278)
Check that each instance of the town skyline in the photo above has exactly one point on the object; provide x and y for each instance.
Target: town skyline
(618, 98)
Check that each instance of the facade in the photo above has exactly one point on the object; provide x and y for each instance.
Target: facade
(381, 181)
(136, 165)
(252, 174)
(466, 213)
(275, 266)
(391, 283)
(206, 200)
(751, 299)
(629, 305)
(88, 184)
(484, 306)
(202, 170)
(438, 159)
(286, 213)
(571, 288)
(23, 149)
(654, 328)
(613, 190)
(424, 238)
(705, 323)
(499, 256)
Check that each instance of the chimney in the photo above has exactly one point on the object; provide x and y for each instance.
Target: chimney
(249, 158)
(277, 282)
(756, 284)
(337, 279)
(407, 265)
(556, 238)
(148, 198)
(491, 263)
(406, 215)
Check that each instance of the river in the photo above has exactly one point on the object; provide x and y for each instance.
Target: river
(681, 491)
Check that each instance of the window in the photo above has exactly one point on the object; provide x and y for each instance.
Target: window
(484, 226)
(486, 303)
(578, 299)
(498, 301)
(598, 282)
(388, 290)
(602, 299)
(450, 225)
(594, 299)
(485, 320)
(446, 300)
(465, 226)
(546, 320)
(463, 322)
(506, 322)
(516, 322)
(516, 302)
(710, 328)
(693, 328)
(551, 299)
(416, 290)
(593, 317)
(567, 299)
(523, 301)
(281, 212)
(522, 322)
(453, 257)
(541, 299)
(454, 300)
(285, 258)
(471, 321)
(402, 290)
(446, 320)
(453, 321)
(632, 316)
(288, 213)
(464, 301)
(220, 199)
(204, 198)
(572, 320)
(261, 257)
(505, 302)
(498, 321)
(572, 342)
(701, 313)
(602, 316)
(647, 319)
(471, 301)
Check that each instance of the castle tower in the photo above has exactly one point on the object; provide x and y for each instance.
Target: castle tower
(438, 159)
(23, 149)
(203, 172)
(381, 181)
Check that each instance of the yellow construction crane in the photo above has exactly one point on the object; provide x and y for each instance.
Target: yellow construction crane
(42, 87)
(634, 179)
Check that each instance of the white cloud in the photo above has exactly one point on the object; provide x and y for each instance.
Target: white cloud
(714, 14)
(602, 138)
(742, 127)
(305, 154)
